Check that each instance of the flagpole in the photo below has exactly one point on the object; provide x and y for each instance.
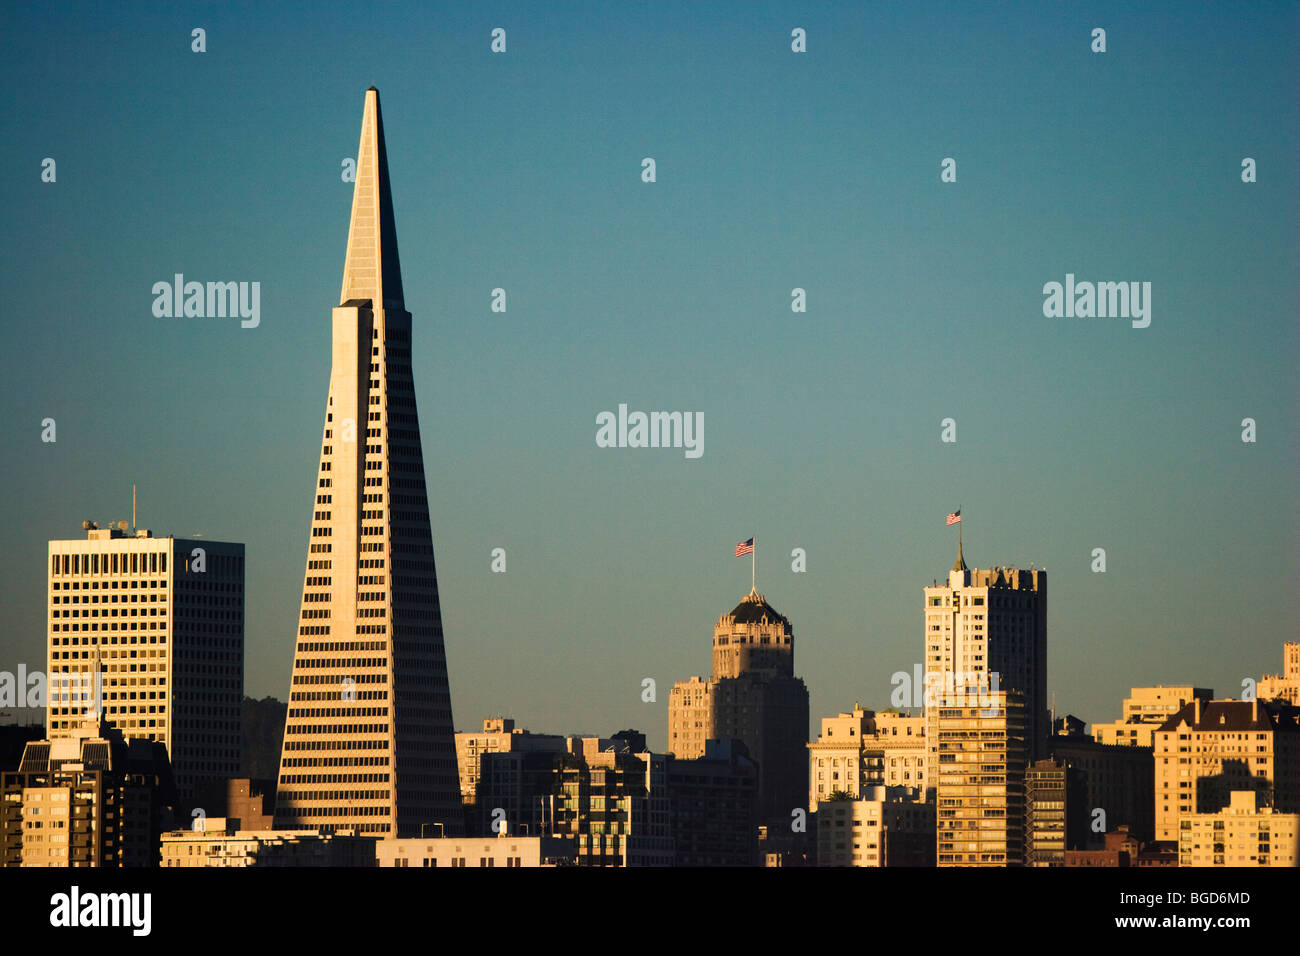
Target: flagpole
(753, 563)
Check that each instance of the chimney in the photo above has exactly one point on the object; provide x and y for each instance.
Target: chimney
(1197, 702)
(1254, 709)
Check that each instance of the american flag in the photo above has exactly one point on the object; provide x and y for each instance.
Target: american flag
(955, 517)
(745, 547)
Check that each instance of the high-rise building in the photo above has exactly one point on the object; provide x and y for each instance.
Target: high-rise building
(1208, 750)
(988, 628)
(755, 698)
(1284, 687)
(151, 632)
(1145, 709)
(1055, 812)
(369, 741)
(979, 779)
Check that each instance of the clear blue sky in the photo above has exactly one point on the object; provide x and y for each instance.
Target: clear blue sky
(775, 171)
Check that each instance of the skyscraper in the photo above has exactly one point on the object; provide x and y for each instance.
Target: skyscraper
(983, 623)
(368, 741)
(979, 778)
(753, 697)
(161, 622)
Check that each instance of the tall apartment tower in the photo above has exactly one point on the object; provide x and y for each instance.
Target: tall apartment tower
(161, 622)
(368, 741)
(753, 697)
(984, 623)
(980, 779)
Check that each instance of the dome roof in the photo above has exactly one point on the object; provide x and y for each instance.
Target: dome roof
(753, 608)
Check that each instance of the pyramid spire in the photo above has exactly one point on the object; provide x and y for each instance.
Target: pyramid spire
(371, 270)
(369, 695)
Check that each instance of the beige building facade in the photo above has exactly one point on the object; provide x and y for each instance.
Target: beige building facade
(1208, 750)
(499, 735)
(87, 798)
(1286, 685)
(369, 744)
(981, 751)
(988, 629)
(504, 851)
(885, 826)
(216, 844)
(150, 631)
(1145, 709)
(861, 749)
(1241, 834)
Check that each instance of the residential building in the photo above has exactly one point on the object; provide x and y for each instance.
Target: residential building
(89, 797)
(1244, 833)
(988, 628)
(884, 826)
(1056, 816)
(981, 747)
(1208, 750)
(861, 748)
(1145, 709)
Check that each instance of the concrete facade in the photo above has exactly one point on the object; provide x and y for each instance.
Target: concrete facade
(163, 629)
(988, 628)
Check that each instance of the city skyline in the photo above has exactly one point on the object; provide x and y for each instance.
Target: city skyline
(824, 426)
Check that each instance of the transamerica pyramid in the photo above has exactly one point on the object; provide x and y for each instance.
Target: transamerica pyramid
(369, 742)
